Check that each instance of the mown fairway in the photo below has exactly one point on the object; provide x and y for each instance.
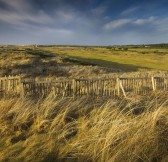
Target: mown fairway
(124, 58)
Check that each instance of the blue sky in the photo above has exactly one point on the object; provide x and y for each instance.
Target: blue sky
(83, 22)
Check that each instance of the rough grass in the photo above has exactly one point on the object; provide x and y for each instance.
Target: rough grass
(83, 130)
(72, 62)
(29, 62)
(63, 62)
(113, 130)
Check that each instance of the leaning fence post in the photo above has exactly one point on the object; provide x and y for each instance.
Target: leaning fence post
(120, 84)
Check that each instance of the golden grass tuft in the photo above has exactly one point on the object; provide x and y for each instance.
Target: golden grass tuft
(113, 130)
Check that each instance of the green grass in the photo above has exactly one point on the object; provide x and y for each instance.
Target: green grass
(133, 59)
(67, 61)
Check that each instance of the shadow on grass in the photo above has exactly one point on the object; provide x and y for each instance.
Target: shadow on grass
(97, 62)
(39, 68)
(39, 53)
(42, 54)
(103, 63)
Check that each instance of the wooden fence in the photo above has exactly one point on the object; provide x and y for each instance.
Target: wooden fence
(94, 87)
(97, 87)
(58, 89)
(10, 85)
(83, 87)
(142, 86)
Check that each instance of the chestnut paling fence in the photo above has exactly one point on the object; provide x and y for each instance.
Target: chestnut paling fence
(14, 85)
(10, 85)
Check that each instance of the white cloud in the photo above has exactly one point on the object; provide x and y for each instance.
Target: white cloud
(161, 25)
(23, 13)
(55, 31)
(122, 22)
(144, 21)
(33, 21)
(17, 19)
(117, 24)
(64, 16)
(130, 10)
(140, 21)
(68, 24)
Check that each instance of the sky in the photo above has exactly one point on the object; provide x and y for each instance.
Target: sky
(83, 22)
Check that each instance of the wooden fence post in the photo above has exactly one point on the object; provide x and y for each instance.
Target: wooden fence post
(122, 88)
(65, 89)
(74, 87)
(118, 86)
(21, 89)
(153, 84)
(79, 87)
(8, 84)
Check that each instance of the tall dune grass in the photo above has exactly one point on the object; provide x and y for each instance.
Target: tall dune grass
(99, 130)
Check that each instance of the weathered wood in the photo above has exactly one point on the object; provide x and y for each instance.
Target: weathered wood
(153, 84)
(74, 87)
(122, 88)
(118, 86)
(9, 85)
(80, 87)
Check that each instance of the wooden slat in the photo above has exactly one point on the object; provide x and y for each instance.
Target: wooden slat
(80, 87)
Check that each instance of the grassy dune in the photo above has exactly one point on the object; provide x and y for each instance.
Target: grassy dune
(63, 61)
(113, 130)
(83, 130)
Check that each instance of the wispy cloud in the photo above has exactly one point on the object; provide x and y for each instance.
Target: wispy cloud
(53, 31)
(144, 21)
(66, 16)
(17, 19)
(117, 24)
(22, 12)
(36, 21)
(88, 21)
(17, 5)
(130, 11)
(162, 25)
